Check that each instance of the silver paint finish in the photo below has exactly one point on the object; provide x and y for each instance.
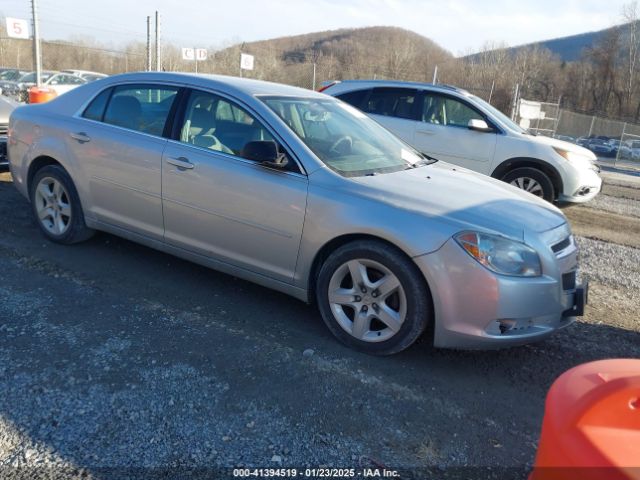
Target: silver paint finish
(268, 226)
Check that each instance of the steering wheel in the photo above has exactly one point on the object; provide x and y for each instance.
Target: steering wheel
(345, 142)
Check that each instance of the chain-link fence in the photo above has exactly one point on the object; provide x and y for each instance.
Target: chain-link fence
(615, 142)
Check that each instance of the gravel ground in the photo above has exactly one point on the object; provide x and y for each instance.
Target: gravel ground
(610, 264)
(113, 356)
(622, 206)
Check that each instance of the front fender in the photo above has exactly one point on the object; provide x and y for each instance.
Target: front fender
(334, 213)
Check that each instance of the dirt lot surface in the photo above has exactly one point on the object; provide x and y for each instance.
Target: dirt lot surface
(113, 355)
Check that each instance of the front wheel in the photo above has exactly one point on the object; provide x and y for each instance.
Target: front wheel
(373, 298)
(531, 180)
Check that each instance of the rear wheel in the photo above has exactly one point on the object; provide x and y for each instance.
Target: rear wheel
(56, 206)
(533, 181)
(373, 298)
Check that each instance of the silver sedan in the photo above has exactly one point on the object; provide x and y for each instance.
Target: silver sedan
(304, 194)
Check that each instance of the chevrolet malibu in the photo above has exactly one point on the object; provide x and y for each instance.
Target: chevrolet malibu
(304, 194)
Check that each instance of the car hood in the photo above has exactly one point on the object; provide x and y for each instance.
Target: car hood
(571, 147)
(469, 199)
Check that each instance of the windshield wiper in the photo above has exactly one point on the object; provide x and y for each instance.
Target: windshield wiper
(427, 160)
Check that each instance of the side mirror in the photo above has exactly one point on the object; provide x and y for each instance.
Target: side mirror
(264, 152)
(479, 125)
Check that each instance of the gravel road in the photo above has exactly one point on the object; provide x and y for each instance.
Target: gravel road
(115, 356)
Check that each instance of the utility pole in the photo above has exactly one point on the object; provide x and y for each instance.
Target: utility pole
(514, 107)
(435, 75)
(37, 61)
(158, 59)
(493, 84)
(148, 43)
(313, 87)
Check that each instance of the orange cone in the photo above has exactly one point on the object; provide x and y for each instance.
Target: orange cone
(591, 428)
(41, 94)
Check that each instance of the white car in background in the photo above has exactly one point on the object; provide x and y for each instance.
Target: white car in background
(86, 74)
(455, 126)
(57, 81)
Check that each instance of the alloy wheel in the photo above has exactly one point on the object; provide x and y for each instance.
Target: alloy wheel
(367, 300)
(53, 206)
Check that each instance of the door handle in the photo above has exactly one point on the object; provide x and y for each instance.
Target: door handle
(81, 137)
(181, 162)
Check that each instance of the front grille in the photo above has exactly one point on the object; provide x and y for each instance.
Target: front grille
(558, 247)
(569, 280)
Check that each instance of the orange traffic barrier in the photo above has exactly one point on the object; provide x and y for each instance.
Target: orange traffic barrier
(591, 427)
(41, 94)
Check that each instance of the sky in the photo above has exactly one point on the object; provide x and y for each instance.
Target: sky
(460, 26)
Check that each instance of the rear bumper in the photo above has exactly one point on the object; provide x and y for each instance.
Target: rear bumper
(478, 309)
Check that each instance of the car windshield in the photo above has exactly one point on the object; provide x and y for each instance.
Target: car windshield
(506, 121)
(344, 138)
(31, 77)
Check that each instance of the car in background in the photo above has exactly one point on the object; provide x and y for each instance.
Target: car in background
(601, 147)
(453, 125)
(9, 75)
(634, 146)
(57, 81)
(620, 148)
(304, 194)
(565, 138)
(6, 107)
(86, 74)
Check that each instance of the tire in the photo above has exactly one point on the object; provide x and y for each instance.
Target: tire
(56, 206)
(533, 181)
(408, 306)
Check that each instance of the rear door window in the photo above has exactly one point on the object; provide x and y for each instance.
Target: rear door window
(355, 98)
(392, 102)
(143, 108)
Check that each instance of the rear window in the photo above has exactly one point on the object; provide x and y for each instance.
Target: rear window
(95, 110)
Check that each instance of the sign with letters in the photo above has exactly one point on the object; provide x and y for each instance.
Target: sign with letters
(188, 54)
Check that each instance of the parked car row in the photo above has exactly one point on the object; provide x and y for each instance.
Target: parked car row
(306, 194)
(16, 83)
(604, 146)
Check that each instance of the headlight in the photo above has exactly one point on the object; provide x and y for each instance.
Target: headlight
(501, 255)
(573, 156)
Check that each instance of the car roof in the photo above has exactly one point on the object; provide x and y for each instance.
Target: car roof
(400, 83)
(84, 72)
(245, 86)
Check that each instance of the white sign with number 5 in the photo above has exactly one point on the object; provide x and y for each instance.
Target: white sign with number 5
(17, 28)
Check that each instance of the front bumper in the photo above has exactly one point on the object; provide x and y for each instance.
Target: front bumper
(478, 309)
(580, 184)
